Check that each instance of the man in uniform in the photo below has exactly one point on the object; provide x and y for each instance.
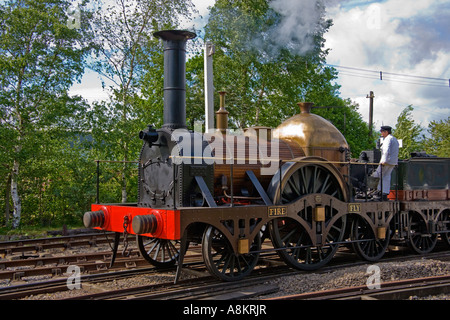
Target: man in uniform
(389, 159)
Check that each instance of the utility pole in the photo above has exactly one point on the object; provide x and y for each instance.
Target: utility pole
(209, 87)
(370, 96)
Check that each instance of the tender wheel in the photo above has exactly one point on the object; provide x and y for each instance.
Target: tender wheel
(367, 246)
(300, 179)
(161, 253)
(420, 240)
(222, 261)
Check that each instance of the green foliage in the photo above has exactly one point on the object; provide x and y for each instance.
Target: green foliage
(40, 58)
(409, 132)
(439, 142)
(124, 47)
(50, 140)
(265, 77)
(345, 117)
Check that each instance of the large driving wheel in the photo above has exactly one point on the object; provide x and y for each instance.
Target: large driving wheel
(366, 244)
(222, 261)
(299, 179)
(298, 250)
(444, 220)
(161, 253)
(420, 239)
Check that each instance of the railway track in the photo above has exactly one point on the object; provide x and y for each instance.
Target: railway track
(51, 257)
(19, 291)
(201, 288)
(259, 284)
(95, 269)
(30, 246)
(394, 290)
(16, 270)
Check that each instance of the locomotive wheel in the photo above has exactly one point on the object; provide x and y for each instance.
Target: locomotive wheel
(420, 239)
(161, 253)
(301, 179)
(370, 249)
(221, 260)
(444, 218)
(288, 233)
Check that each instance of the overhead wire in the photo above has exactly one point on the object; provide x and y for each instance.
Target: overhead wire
(391, 76)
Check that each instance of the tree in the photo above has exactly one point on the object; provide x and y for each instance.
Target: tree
(265, 67)
(41, 56)
(124, 48)
(345, 117)
(439, 142)
(409, 132)
(269, 57)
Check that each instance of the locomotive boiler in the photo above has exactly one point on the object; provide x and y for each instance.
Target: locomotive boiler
(230, 191)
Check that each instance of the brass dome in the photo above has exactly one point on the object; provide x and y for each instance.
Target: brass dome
(310, 131)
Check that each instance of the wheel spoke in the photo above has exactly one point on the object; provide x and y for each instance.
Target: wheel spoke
(421, 240)
(301, 179)
(370, 249)
(222, 261)
(325, 185)
(159, 252)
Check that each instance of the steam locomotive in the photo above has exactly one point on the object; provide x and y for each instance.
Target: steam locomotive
(294, 184)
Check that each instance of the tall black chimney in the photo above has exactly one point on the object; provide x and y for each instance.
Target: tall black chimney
(174, 76)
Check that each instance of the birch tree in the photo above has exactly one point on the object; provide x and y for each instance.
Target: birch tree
(40, 57)
(123, 40)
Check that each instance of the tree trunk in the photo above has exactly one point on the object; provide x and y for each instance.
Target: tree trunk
(17, 203)
(124, 183)
(7, 195)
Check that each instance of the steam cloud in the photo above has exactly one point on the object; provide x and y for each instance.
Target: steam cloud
(300, 21)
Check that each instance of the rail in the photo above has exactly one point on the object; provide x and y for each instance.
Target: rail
(393, 290)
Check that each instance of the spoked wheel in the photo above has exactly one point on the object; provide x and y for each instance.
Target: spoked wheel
(444, 220)
(420, 239)
(300, 179)
(367, 246)
(299, 252)
(161, 253)
(222, 261)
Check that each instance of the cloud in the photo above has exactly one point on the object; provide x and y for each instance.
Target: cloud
(393, 36)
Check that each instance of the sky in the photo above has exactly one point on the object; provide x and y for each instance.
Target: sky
(407, 41)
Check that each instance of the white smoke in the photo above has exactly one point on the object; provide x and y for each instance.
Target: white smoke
(300, 21)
